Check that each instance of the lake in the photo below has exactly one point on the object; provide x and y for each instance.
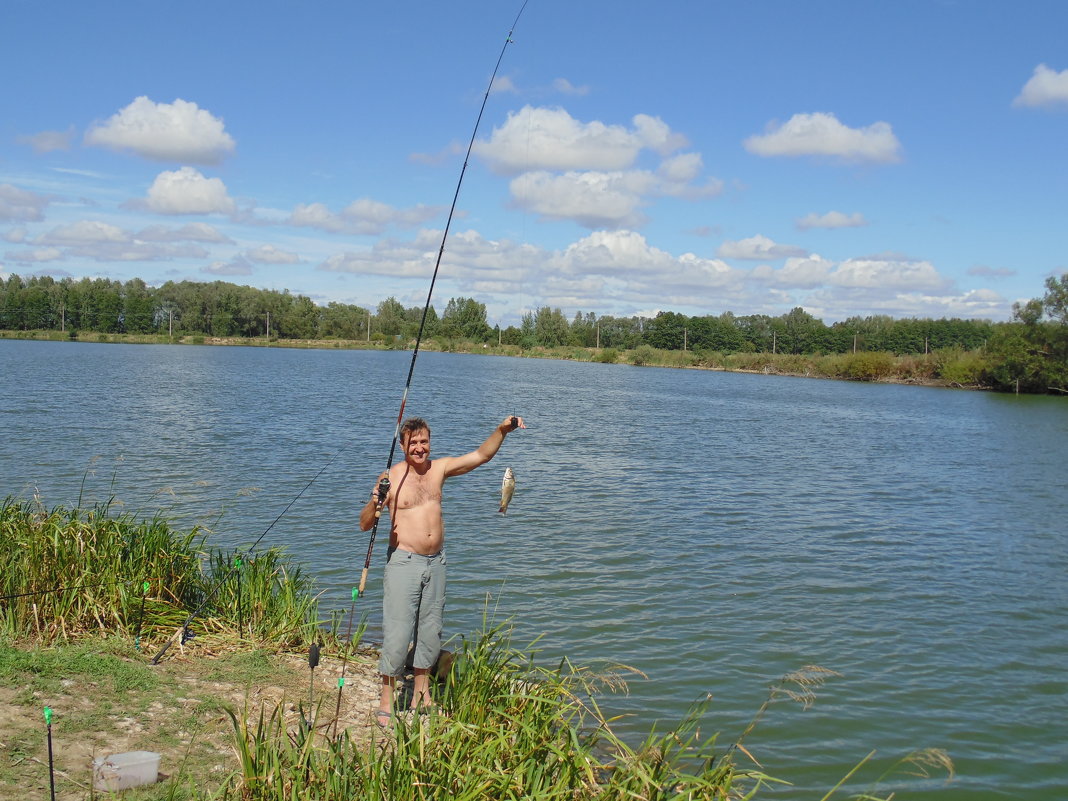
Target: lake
(713, 530)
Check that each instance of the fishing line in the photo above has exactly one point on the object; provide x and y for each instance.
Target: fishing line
(183, 633)
(65, 589)
(383, 487)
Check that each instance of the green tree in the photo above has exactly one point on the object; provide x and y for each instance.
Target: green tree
(466, 318)
(550, 327)
(1032, 352)
(390, 317)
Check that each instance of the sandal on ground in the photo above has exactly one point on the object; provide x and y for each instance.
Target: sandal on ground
(384, 718)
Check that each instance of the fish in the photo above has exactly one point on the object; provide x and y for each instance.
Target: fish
(507, 488)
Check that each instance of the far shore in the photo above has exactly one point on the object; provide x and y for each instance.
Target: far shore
(927, 370)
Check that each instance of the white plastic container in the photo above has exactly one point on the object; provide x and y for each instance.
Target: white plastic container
(123, 771)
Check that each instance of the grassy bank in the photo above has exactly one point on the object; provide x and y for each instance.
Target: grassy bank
(950, 367)
(240, 712)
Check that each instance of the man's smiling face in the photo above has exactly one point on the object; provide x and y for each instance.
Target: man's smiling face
(417, 447)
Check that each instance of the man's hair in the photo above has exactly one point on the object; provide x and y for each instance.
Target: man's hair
(410, 426)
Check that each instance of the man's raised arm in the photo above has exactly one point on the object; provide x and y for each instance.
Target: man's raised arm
(458, 465)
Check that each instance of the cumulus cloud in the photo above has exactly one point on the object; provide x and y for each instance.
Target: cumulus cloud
(48, 141)
(596, 199)
(187, 191)
(597, 271)
(886, 273)
(592, 199)
(21, 205)
(821, 134)
(269, 254)
(179, 131)
(832, 219)
(363, 216)
(803, 272)
(551, 139)
(757, 248)
(1045, 88)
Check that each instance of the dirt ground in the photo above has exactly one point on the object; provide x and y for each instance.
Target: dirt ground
(181, 716)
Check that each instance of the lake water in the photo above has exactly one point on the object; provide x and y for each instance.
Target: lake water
(714, 530)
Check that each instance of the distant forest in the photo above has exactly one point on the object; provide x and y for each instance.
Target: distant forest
(1029, 353)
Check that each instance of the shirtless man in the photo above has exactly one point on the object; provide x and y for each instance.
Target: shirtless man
(413, 591)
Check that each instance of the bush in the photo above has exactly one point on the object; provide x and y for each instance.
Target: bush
(607, 356)
(958, 366)
(867, 366)
(642, 355)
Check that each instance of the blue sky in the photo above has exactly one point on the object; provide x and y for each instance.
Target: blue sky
(845, 156)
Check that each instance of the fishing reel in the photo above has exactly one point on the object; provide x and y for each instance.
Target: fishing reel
(383, 490)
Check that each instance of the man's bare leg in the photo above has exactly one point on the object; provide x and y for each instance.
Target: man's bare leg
(421, 688)
(385, 701)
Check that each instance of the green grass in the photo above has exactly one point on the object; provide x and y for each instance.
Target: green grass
(507, 728)
(68, 573)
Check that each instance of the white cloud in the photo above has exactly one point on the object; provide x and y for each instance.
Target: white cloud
(35, 256)
(821, 134)
(832, 219)
(269, 254)
(187, 191)
(101, 241)
(21, 205)
(564, 86)
(364, 216)
(757, 248)
(889, 273)
(551, 139)
(191, 232)
(178, 131)
(809, 271)
(84, 232)
(48, 141)
(1045, 88)
(502, 83)
(592, 199)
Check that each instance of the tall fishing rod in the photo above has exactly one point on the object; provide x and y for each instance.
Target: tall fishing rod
(382, 490)
(384, 486)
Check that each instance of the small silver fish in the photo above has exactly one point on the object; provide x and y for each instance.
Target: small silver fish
(507, 488)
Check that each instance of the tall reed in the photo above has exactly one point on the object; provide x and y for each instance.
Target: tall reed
(65, 573)
(506, 729)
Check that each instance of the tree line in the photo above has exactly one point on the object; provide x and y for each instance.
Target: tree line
(1029, 352)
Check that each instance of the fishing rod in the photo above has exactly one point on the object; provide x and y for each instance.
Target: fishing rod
(383, 487)
(382, 491)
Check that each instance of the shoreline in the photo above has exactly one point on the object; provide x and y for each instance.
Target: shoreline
(876, 367)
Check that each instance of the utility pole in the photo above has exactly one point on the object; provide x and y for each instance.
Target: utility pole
(598, 334)
(368, 326)
(854, 343)
(170, 323)
(268, 330)
(685, 333)
(774, 341)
